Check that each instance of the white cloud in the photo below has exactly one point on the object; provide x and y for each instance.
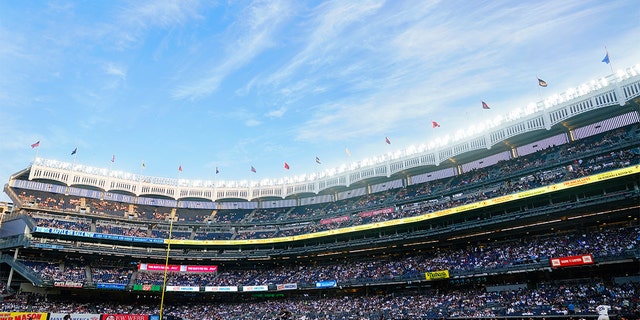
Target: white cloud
(115, 70)
(249, 37)
(140, 16)
(252, 123)
(428, 63)
(277, 113)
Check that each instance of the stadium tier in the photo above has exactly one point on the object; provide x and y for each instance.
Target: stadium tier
(535, 219)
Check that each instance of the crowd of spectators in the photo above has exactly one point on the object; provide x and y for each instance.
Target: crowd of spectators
(479, 258)
(67, 271)
(118, 275)
(110, 208)
(579, 297)
(122, 228)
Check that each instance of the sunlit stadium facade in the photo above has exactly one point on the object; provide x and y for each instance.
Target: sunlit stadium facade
(566, 167)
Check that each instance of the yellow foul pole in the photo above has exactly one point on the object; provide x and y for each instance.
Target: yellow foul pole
(166, 264)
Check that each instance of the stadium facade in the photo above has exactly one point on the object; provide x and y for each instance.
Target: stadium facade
(549, 198)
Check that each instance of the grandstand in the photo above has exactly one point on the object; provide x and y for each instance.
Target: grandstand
(536, 218)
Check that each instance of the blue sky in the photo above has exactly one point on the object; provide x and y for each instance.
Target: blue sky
(235, 84)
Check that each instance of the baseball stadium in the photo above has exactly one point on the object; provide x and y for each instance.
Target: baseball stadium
(536, 218)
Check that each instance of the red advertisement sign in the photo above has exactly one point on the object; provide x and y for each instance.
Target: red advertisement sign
(202, 268)
(176, 268)
(158, 267)
(125, 317)
(376, 212)
(334, 220)
(571, 261)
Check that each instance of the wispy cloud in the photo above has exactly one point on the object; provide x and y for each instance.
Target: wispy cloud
(430, 62)
(115, 70)
(250, 36)
(133, 21)
(277, 113)
(252, 123)
(329, 23)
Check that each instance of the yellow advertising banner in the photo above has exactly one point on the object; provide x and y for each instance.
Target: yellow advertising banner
(23, 315)
(436, 275)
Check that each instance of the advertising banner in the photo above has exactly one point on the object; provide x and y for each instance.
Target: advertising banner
(75, 316)
(124, 317)
(201, 269)
(326, 284)
(571, 261)
(158, 267)
(287, 286)
(221, 289)
(110, 286)
(177, 268)
(255, 288)
(89, 234)
(334, 220)
(183, 288)
(67, 284)
(147, 287)
(435, 275)
(23, 315)
(377, 212)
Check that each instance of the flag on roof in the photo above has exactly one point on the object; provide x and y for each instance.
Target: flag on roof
(606, 59)
(318, 160)
(113, 158)
(286, 166)
(217, 170)
(180, 168)
(485, 105)
(35, 145)
(347, 151)
(542, 83)
(253, 169)
(74, 151)
(386, 139)
(434, 124)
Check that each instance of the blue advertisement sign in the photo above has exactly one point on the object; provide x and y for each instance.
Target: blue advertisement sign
(326, 284)
(111, 286)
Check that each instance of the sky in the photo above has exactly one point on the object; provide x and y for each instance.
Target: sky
(234, 84)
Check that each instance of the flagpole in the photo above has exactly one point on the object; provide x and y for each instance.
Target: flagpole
(75, 156)
(609, 57)
(215, 180)
(539, 91)
(142, 167)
